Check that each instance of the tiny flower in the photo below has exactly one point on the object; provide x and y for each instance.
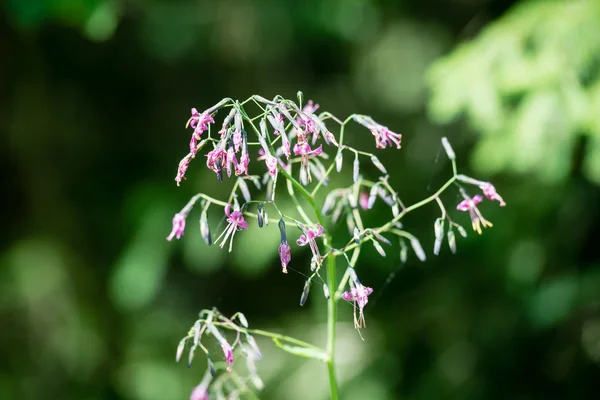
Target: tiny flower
(200, 122)
(215, 160)
(178, 226)
(236, 222)
(228, 353)
(302, 148)
(271, 165)
(383, 136)
(309, 237)
(285, 254)
(310, 108)
(490, 192)
(183, 166)
(477, 219)
(359, 294)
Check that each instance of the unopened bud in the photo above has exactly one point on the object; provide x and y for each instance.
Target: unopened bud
(326, 291)
(356, 173)
(263, 128)
(372, 197)
(329, 203)
(350, 223)
(403, 251)
(353, 275)
(452, 241)
(197, 332)
(244, 189)
(381, 238)
(252, 342)
(461, 230)
(260, 215)
(282, 231)
(395, 209)
(337, 212)
(378, 164)
(356, 235)
(211, 365)
(300, 96)
(416, 245)
(351, 200)
(378, 248)
(305, 291)
(205, 228)
(448, 149)
(180, 349)
(243, 320)
(191, 355)
(339, 159)
(438, 228)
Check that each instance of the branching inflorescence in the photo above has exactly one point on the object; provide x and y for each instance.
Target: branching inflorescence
(291, 139)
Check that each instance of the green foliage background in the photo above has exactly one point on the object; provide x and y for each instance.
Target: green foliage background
(94, 96)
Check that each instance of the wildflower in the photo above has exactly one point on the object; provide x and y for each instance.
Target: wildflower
(383, 136)
(228, 353)
(183, 166)
(490, 192)
(200, 392)
(470, 205)
(359, 294)
(285, 251)
(236, 222)
(178, 226)
(302, 148)
(215, 160)
(242, 166)
(271, 165)
(309, 237)
(200, 122)
(310, 108)
(279, 129)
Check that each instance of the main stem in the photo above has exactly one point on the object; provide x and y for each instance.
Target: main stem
(331, 322)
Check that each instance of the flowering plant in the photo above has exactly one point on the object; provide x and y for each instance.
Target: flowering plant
(305, 169)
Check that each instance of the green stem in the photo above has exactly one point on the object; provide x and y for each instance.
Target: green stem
(331, 323)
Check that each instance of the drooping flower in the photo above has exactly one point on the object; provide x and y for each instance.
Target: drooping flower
(228, 353)
(242, 166)
(358, 294)
(383, 136)
(310, 107)
(181, 170)
(271, 163)
(178, 226)
(236, 222)
(285, 251)
(308, 237)
(215, 161)
(302, 149)
(200, 122)
(470, 205)
(490, 192)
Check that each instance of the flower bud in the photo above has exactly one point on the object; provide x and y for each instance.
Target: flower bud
(260, 215)
(378, 164)
(461, 230)
(326, 291)
(339, 159)
(416, 245)
(180, 349)
(452, 241)
(372, 197)
(403, 251)
(205, 228)
(329, 203)
(356, 172)
(356, 235)
(244, 189)
(448, 148)
(211, 365)
(350, 223)
(242, 319)
(305, 291)
(351, 200)
(378, 248)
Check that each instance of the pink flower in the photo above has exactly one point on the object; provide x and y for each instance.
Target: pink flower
(183, 166)
(310, 108)
(242, 166)
(200, 392)
(477, 220)
(215, 160)
(228, 353)
(383, 136)
(285, 254)
(200, 122)
(305, 150)
(490, 192)
(178, 226)
(302, 148)
(359, 294)
(236, 222)
(271, 165)
(230, 160)
(237, 140)
(309, 237)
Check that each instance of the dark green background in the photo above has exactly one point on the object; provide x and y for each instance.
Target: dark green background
(94, 96)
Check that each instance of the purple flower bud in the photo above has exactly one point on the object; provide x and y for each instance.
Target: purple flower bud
(178, 226)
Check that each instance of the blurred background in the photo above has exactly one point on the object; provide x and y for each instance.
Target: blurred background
(94, 96)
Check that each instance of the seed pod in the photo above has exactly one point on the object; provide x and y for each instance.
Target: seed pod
(305, 291)
(416, 245)
(452, 241)
(403, 251)
(244, 189)
(339, 159)
(378, 164)
(378, 248)
(326, 291)
(448, 148)
(356, 174)
(205, 227)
